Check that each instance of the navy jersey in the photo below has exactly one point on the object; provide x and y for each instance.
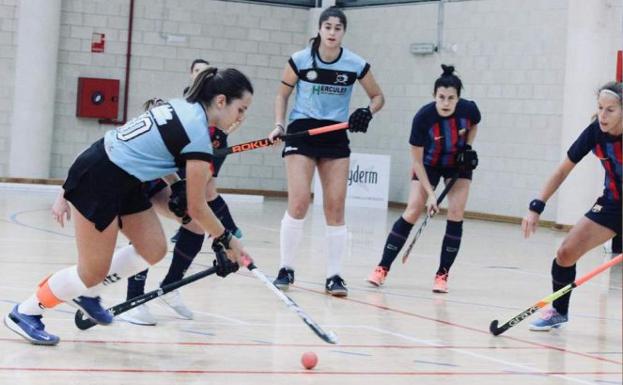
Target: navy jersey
(324, 92)
(443, 137)
(607, 149)
(159, 141)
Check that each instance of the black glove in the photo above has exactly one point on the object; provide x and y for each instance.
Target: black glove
(467, 159)
(359, 120)
(223, 265)
(177, 201)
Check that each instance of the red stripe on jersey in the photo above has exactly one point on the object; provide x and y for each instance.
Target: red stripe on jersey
(599, 151)
(454, 137)
(437, 144)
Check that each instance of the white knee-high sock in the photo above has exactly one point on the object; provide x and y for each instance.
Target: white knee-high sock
(125, 263)
(336, 244)
(61, 286)
(290, 239)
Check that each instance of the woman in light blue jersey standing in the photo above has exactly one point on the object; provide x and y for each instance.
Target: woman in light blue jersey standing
(104, 187)
(323, 76)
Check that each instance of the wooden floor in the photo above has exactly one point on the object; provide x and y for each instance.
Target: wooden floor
(242, 334)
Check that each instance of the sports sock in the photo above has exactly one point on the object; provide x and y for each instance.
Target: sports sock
(220, 209)
(125, 262)
(136, 284)
(450, 245)
(60, 287)
(561, 277)
(395, 240)
(187, 247)
(291, 235)
(336, 245)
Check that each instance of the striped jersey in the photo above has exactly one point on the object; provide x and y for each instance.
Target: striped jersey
(607, 149)
(324, 92)
(160, 140)
(443, 137)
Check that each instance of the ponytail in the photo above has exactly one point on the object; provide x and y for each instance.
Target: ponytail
(210, 82)
(314, 49)
(448, 79)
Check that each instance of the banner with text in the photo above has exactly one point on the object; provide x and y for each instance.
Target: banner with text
(367, 184)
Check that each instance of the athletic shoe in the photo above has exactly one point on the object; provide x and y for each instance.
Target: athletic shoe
(336, 286)
(140, 315)
(174, 301)
(550, 319)
(441, 283)
(377, 277)
(284, 279)
(92, 308)
(30, 327)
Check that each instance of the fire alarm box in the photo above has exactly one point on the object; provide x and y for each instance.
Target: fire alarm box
(98, 98)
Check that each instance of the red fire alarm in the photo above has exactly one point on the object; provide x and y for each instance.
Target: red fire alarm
(98, 98)
(98, 42)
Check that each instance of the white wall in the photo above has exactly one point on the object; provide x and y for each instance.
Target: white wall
(513, 56)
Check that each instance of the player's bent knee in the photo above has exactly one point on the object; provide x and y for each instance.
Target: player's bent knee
(565, 257)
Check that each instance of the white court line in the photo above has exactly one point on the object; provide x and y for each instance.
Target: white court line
(483, 357)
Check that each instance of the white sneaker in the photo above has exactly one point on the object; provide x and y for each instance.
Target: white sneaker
(140, 315)
(174, 301)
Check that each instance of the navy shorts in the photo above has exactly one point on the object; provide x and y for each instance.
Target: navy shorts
(330, 145)
(606, 213)
(100, 190)
(436, 173)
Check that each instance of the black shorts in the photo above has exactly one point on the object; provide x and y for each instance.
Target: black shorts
(100, 190)
(330, 145)
(436, 173)
(607, 214)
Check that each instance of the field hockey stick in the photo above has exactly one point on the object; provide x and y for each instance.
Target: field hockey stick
(84, 323)
(497, 330)
(265, 142)
(328, 337)
(428, 217)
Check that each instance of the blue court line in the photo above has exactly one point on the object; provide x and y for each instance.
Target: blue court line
(197, 332)
(608, 382)
(351, 353)
(13, 219)
(436, 363)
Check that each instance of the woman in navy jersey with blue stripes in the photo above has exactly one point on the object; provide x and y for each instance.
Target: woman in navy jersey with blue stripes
(323, 76)
(441, 137)
(603, 137)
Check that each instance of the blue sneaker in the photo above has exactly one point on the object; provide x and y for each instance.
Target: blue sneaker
(550, 319)
(30, 327)
(92, 308)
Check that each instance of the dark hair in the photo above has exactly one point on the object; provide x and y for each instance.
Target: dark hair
(324, 16)
(614, 87)
(211, 82)
(151, 103)
(198, 61)
(448, 79)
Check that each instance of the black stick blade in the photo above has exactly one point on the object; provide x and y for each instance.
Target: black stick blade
(82, 322)
(495, 330)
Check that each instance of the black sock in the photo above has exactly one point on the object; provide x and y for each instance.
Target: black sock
(561, 277)
(136, 284)
(220, 209)
(186, 249)
(617, 244)
(450, 246)
(395, 240)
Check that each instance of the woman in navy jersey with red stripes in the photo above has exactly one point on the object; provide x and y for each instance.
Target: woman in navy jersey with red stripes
(441, 137)
(603, 221)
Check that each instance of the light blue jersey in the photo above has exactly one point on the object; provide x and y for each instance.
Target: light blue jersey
(159, 141)
(324, 92)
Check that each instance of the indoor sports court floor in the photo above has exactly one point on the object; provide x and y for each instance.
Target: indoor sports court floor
(242, 334)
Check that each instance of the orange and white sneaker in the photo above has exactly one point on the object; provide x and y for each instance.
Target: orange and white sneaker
(441, 283)
(377, 277)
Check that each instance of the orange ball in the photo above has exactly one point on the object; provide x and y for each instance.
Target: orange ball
(309, 360)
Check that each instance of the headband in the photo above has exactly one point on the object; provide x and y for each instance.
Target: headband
(608, 91)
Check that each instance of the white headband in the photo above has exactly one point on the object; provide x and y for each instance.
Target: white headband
(607, 91)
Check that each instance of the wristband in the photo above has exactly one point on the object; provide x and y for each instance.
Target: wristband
(537, 206)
